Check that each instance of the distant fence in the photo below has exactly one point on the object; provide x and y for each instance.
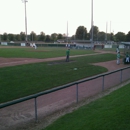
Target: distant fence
(80, 89)
(56, 44)
(38, 44)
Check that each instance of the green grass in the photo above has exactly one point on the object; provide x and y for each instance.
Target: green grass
(113, 49)
(40, 52)
(23, 80)
(111, 112)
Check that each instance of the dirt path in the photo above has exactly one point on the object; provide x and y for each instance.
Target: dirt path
(111, 65)
(51, 106)
(19, 61)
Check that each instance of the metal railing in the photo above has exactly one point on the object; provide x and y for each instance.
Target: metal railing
(66, 86)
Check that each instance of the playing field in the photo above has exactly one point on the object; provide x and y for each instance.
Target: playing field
(25, 71)
(25, 79)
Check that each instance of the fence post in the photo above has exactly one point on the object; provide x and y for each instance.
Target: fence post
(77, 93)
(36, 109)
(103, 83)
(121, 76)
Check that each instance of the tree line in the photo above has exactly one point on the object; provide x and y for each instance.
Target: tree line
(80, 34)
(83, 34)
(32, 37)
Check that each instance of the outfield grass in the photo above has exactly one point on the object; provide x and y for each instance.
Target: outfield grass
(113, 49)
(23, 80)
(40, 52)
(111, 112)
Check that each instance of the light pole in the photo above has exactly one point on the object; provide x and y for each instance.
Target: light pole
(92, 22)
(24, 1)
(106, 33)
(67, 31)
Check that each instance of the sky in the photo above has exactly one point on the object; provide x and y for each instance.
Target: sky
(51, 16)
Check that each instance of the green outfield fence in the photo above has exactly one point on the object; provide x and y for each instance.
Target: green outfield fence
(39, 44)
(121, 76)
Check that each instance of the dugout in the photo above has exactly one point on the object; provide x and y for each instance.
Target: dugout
(126, 50)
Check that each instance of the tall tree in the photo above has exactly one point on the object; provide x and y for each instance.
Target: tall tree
(120, 36)
(5, 37)
(81, 33)
(42, 37)
(48, 38)
(73, 37)
(101, 36)
(17, 37)
(112, 37)
(22, 35)
(95, 32)
(11, 37)
(128, 37)
(60, 36)
(54, 37)
(33, 36)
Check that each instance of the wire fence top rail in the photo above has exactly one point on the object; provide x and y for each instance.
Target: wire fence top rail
(2, 105)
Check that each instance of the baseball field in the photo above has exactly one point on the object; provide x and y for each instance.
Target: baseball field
(25, 71)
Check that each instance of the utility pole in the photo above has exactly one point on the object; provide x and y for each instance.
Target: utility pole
(67, 31)
(91, 22)
(106, 33)
(110, 33)
(24, 1)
